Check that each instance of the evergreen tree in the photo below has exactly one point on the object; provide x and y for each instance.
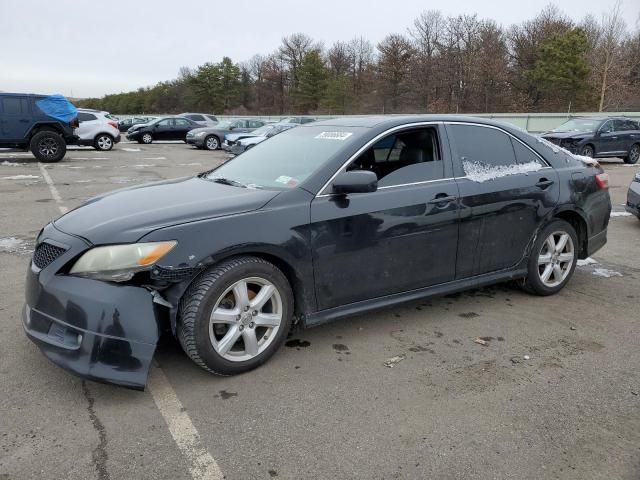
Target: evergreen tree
(312, 82)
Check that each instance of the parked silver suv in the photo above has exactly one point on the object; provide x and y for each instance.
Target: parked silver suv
(204, 119)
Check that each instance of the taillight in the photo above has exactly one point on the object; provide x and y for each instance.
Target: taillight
(602, 179)
(75, 123)
(113, 124)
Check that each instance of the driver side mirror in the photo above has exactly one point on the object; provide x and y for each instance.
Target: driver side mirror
(357, 181)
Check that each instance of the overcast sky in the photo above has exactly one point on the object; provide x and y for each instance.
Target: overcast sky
(89, 48)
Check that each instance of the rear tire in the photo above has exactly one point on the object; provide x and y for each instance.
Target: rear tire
(226, 331)
(48, 147)
(103, 142)
(553, 259)
(634, 154)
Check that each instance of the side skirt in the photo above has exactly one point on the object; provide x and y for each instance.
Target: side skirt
(325, 316)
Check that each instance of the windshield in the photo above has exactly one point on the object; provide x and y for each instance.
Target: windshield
(578, 125)
(225, 124)
(263, 130)
(287, 159)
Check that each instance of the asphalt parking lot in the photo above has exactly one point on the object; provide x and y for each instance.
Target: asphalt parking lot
(553, 393)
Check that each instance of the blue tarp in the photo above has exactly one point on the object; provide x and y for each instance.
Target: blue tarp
(58, 107)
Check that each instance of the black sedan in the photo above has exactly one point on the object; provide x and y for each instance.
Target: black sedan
(165, 128)
(323, 221)
(633, 197)
(599, 137)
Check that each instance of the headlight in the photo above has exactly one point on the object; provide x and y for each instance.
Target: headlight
(118, 263)
(201, 134)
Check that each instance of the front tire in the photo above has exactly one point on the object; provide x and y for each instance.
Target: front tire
(48, 147)
(103, 142)
(634, 154)
(235, 315)
(147, 138)
(553, 259)
(588, 151)
(212, 142)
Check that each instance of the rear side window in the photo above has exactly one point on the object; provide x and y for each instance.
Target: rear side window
(481, 145)
(255, 124)
(196, 118)
(15, 105)
(212, 118)
(86, 117)
(181, 122)
(524, 154)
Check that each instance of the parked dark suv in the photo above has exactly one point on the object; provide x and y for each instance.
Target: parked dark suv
(599, 137)
(24, 124)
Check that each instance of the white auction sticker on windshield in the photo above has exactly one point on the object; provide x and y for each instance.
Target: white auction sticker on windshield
(334, 135)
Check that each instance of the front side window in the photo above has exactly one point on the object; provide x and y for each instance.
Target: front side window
(181, 122)
(286, 160)
(407, 157)
(607, 127)
(86, 117)
(167, 122)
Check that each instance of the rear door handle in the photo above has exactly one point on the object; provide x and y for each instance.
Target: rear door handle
(442, 198)
(544, 183)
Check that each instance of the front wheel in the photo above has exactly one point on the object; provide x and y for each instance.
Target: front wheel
(147, 138)
(212, 143)
(553, 259)
(634, 154)
(103, 142)
(48, 147)
(235, 316)
(587, 151)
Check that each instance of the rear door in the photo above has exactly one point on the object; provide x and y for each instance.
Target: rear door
(630, 134)
(506, 190)
(17, 117)
(402, 236)
(182, 126)
(610, 140)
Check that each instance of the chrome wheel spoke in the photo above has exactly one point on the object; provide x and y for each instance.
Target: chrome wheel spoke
(546, 273)
(557, 273)
(544, 259)
(263, 296)
(565, 257)
(224, 315)
(268, 320)
(229, 340)
(250, 341)
(562, 243)
(241, 294)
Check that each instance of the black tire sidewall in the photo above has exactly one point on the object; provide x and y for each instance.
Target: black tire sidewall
(204, 347)
(584, 151)
(534, 283)
(38, 137)
(627, 159)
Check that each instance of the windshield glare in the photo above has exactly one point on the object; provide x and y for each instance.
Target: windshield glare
(578, 125)
(288, 158)
(225, 124)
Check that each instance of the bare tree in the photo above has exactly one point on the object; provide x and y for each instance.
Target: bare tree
(396, 53)
(293, 50)
(608, 50)
(426, 34)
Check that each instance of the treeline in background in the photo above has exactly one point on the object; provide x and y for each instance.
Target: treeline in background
(458, 64)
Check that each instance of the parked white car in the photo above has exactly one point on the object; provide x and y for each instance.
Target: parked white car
(204, 119)
(97, 129)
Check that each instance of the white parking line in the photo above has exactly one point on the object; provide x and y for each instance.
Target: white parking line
(202, 466)
(54, 191)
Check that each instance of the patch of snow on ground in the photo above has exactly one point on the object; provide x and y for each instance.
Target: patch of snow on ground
(20, 177)
(130, 149)
(479, 172)
(194, 164)
(620, 214)
(142, 165)
(605, 272)
(154, 158)
(586, 261)
(11, 164)
(15, 245)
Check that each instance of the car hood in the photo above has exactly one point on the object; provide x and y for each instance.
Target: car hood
(237, 136)
(566, 134)
(128, 214)
(253, 140)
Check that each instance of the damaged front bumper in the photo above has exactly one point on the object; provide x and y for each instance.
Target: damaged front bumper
(100, 331)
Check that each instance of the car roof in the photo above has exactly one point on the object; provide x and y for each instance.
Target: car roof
(11, 94)
(389, 121)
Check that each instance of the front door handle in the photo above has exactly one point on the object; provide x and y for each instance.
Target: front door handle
(544, 183)
(441, 199)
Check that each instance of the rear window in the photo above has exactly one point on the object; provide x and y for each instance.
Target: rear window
(196, 118)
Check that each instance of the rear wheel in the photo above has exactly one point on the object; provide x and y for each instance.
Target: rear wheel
(48, 146)
(553, 259)
(634, 154)
(235, 316)
(147, 138)
(588, 151)
(212, 142)
(103, 142)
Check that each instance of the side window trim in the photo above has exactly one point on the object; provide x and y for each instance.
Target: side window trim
(321, 193)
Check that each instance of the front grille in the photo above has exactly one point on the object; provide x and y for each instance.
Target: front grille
(45, 254)
(173, 275)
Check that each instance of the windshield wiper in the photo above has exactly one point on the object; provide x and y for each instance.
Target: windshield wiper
(228, 181)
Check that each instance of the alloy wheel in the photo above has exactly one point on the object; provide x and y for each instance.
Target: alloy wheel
(147, 138)
(555, 259)
(104, 142)
(588, 151)
(212, 143)
(245, 319)
(634, 154)
(48, 147)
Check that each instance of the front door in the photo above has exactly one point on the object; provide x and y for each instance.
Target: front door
(401, 237)
(506, 190)
(609, 140)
